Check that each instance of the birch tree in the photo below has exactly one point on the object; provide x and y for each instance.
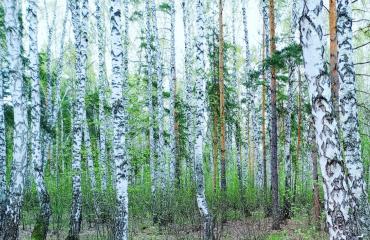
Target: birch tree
(349, 117)
(172, 96)
(80, 22)
(41, 227)
(3, 186)
(200, 123)
(160, 113)
(119, 133)
(336, 192)
(102, 88)
(11, 217)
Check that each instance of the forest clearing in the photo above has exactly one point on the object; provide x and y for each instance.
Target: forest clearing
(184, 119)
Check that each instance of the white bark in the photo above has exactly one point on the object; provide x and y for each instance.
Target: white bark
(172, 96)
(349, 117)
(3, 186)
(90, 164)
(160, 114)
(149, 60)
(200, 121)
(43, 196)
(80, 23)
(16, 187)
(338, 215)
(102, 89)
(119, 123)
(189, 89)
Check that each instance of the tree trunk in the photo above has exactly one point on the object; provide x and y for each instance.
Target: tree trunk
(149, 59)
(11, 218)
(273, 140)
(172, 96)
(41, 227)
(349, 118)
(334, 78)
(222, 95)
(160, 114)
(119, 124)
(102, 89)
(315, 177)
(189, 90)
(336, 192)
(215, 150)
(199, 125)
(79, 22)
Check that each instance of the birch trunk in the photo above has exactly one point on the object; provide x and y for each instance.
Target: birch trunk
(172, 96)
(160, 114)
(3, 186)
(102, 89)
(80, 23)
(349, 118)
(11, 218)
(337, 206)
(119, 123)
(41, 228)
(90, 164)
(149, 60)
(200, 123)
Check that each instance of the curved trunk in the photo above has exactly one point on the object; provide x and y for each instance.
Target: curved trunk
(337, 205)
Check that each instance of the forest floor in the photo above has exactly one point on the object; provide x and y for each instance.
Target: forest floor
(251, 228)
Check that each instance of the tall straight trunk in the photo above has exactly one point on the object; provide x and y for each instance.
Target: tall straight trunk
(60, 65)
(349, 118)
(172, 96)
(11, 217)
(215, 150)
(79, 22)
(90, 164)
(119, 124)
(263, 109)
(273, 140)
(160, 114)
(41, 227)
(189, 89)
(336, 192)
(266, 40)
(222, 94)
(102, 89)
(288, 156)
(334, 78)
(3, 186)
(200, 122)
(149, 61)
(315, 176)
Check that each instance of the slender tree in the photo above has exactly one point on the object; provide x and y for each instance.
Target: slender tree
(79, 22)
(41, 226)
(119, 123)
(199, 122)
(336, 192)
(222, 94)
(3, 186)
(273, 139)
(349, 118)
(11, 217)
(102, 88)
(173, 96)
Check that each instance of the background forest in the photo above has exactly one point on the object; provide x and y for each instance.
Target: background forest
(184, 119)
